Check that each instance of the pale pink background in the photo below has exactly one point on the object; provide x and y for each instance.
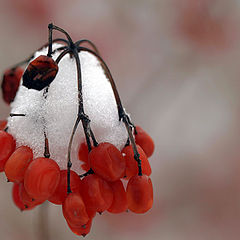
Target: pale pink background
(177, 66)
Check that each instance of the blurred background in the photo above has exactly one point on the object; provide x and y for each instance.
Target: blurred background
(176, 65)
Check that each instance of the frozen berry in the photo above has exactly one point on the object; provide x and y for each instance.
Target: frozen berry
(74, 210)
(41, 178)
(82, 230)
(96, 193)
(10, 83)
(107, 161)
(29, 202)
(119, 203)
(16, 197)
(83, 156)
(83, 152)
(7, 146)
(40, 73)
(17, 164)
(3, 124)
(145, 141)
(61, 191)
(131, 163)
(140, 194)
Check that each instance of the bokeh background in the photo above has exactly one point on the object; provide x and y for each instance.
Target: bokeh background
(176, 65)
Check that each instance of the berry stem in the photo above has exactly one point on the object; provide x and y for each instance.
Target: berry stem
(52, 27)
(69, 164)
(81, 116)
(46, 148)
(95, 143)
(46, 143)
(127, 143)
(17, 115)
(121, 112)
(84, 118)
(54, 41)
(135, 130)
(62, 54)
(134, 147)
(78, 43)
(90, 171)
(49, 40)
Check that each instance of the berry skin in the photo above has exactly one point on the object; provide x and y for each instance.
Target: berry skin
(83, 152)
(81, 231)
(16, 197)
(10, 83)
(131, 163)
(83, 156)
(3, 124)
(140, 194)
(17, 164)
(107, 161)
(85, 167)
(29, 202)
(144, 141)
(119, 203)
(7, 147)
(60, 193)
(91, 213)
(42, 178)
(74, 210)
(96, 193)
(40, 73)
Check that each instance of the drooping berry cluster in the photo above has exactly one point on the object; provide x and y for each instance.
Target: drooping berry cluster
(101, 188)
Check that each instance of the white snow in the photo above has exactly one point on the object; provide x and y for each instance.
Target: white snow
(58, 111)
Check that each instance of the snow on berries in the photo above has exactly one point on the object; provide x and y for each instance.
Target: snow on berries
(66, 118)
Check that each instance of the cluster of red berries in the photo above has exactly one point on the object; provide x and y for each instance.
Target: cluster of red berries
(101, 188)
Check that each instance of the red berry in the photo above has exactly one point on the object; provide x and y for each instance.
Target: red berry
(40, 73)
(83, 156)
(107, 161)
(119, 203)
(96, 193)
(74, 210)
(91, 213)
(131, 163)
(145, 141)
(17, 164)
(7, 146)
(61, 191)
(10, 83)
(85, 167)
(3, 124)
(16, 197)
(41, 178)
(29, 202)
(82, 230)
(140, 194)
(83, 152)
